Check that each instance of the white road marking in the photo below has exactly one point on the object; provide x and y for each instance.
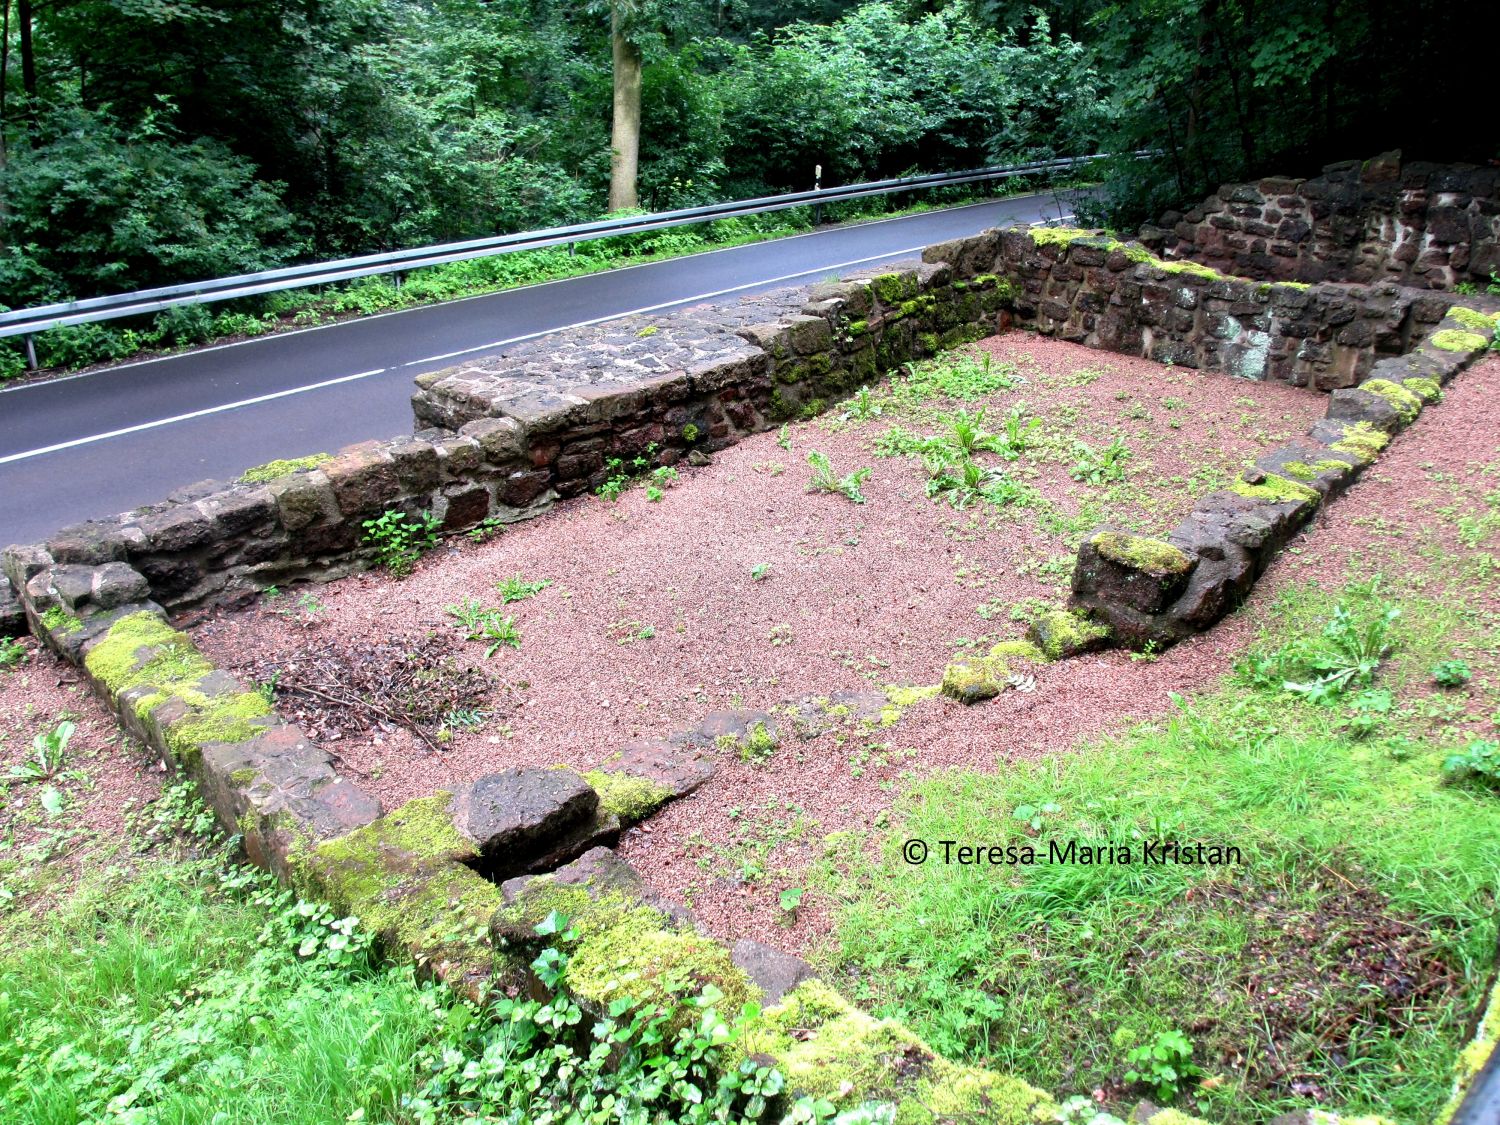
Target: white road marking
(448, 355)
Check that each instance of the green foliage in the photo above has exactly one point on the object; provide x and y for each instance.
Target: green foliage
(517, 589)
(1164, 1064)
(1451, 673)
(399, 540)
(964, 376)
(825, 479)
(1322, 668)
(1480, 760)
(1100, 466)
(965, 482)
(12, 652)
(484, 624)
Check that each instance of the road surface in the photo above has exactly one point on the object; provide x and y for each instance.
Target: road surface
(94, 444)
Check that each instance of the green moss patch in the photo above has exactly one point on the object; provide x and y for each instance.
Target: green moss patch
(1276, 490)
(401, 876)
(828, 1049)
(1472, 319)
(630, 798)
(1060, 633)
(1428, 390)
(1362, 441)
(125, 655)
(58, 619)
(1406, 404)
(1454, 340)
(1150, 555)
(274, 470)
(975, 680)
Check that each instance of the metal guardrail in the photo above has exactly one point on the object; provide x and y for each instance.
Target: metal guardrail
(29, 322)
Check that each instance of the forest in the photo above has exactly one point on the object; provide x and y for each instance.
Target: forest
(145, 142)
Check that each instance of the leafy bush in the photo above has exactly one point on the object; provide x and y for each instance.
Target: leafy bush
(1451, 673)
(400, 540)
(1479, 760)
(1163, 1064)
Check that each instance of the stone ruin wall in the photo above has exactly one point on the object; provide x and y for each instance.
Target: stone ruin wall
(1429, 226)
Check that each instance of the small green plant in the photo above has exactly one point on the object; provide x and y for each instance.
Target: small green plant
(619, 472)
(1100, 466)
(967, 432)
(400, 540)
(758, 746)
(481, 623)
(1033, 815)
(49, 753)
(486, 529)
(780, 635)
(790, 900)
(1367, 713)
(862, 407)
(784, 437)
(965, 482)
(1479, 760)
(1345, 656)
(628, 632)
(12, 652)
(690, 433)
(1164, 1064)
(1451, 673)
(760, 572)
(518, 589)
(824, 479)
(1018, 429)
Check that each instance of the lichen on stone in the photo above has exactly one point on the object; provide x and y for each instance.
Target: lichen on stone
(274, 470)
(1276, 490)
(628, 797)
(1151, 555)
(1454, 340)
(1405, 403)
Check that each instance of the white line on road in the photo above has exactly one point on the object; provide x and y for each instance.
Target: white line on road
(448, 355)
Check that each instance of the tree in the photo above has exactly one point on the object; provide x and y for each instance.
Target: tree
(625, 127)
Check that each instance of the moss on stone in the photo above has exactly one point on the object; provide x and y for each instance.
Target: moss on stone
(1331, 466)
(891, 288)
(1277, 490)
(1190, 268)
(274, 470)
(1018, 650)
(630, 798)
(400, 876)
(243, 777)
(901, 698)
(976, 679)
(1064, 632)
(1060, 236)
(1363, 441)
(826, 1048)
(237, 717)
(1427, 390)
(117, 661)
(1472, 319)
(1151, 555)
(1299, 470)
(1405, 403)
(59, 620)
(1454, 340)
(857, 328)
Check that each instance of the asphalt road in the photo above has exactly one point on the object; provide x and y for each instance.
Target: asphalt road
(91, 445)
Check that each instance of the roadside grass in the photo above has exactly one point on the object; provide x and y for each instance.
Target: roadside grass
(180, 987)
(79, 346)
(1337, 967)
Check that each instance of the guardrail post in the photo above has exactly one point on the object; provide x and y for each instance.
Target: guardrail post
(817, 186)
(572, 249)
(31, 363)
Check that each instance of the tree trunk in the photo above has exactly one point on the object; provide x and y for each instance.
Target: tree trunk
(28, 57)
(625, 136)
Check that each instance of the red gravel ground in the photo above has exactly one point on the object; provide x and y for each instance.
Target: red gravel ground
(102, 777)
(857, 596)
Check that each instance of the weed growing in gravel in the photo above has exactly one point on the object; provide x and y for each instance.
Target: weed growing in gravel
(482, 623)
(12, 652)
(400, 540)
(628, 632)
(1100, 466)
(824, 479)
(964, 376)
(620, 472)
(486, 529)
(760, 572)
(518, 589)
(965, 482)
